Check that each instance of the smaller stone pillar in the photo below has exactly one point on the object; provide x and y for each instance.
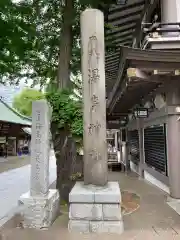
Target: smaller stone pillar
(40, 204)
(40, 147)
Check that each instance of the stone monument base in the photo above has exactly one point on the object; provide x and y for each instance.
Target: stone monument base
(39, 212)
(95, 209)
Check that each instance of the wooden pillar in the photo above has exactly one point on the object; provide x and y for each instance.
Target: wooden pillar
(15, 147)
(6, 147)
(141, 146)
(116, 140)
(17, 139)
(127, 152)
(121, 145)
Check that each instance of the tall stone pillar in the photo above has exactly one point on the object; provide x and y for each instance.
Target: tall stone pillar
(41, 204)
(173, 140)
(170, 13)
(94, 203)
(93, 74)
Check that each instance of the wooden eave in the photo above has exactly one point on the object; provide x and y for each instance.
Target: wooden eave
(127, 90)
(10, 129)
(121, 24)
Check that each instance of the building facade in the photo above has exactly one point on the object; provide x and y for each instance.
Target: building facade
(14, 134)
(143, 74)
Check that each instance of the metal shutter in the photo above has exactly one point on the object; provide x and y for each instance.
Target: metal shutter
(155, 147)
(134, 144)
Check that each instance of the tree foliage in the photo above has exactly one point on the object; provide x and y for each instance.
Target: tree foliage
(23, 101)
(30, 40)
(67, 112)
(16, 41)
(31, 33)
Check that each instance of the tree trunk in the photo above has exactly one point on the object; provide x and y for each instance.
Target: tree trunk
(65, 50)
(67, 162)
(63, 146)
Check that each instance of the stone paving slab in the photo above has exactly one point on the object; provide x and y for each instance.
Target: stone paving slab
(15, 182)
(60, 234)
(153, 220)
(9, 163)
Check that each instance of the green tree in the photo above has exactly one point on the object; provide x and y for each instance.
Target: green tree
(23, 101)
(40, 39)
(16, 40)
(41, 42)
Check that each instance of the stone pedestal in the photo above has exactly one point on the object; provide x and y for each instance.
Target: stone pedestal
(39, 212)
(95, 209)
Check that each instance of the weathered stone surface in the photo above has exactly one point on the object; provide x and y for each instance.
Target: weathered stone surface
(106, 227)
(79, 226)
(40, 205)
(40, 147)
(39, 212)
(80, 211)
(81, 193)
(102, 213)
(94, 97)
(89, 193)
(86, 200)
(82, 226)
(109, 194)
(112, 212)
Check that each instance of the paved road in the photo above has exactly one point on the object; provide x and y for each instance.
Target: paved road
(15, 182)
